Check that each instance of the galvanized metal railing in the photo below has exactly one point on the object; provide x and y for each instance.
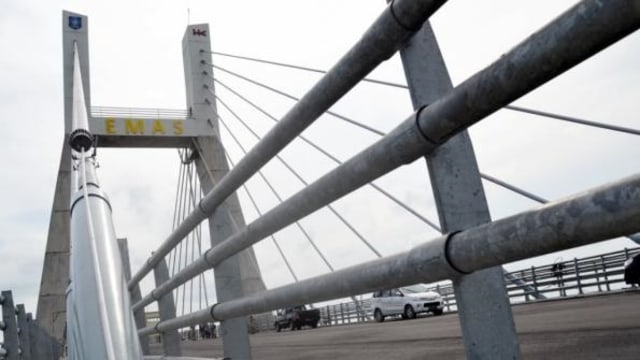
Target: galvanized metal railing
(589, 275)
(606, 212)
(24, 339)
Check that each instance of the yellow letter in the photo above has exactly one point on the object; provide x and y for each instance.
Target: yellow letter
(133, 128)
(158, 127)
(178, 127)
(110, 125)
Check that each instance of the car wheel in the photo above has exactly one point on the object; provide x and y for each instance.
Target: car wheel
(314, 325)
(299, 326)
(378, 316)
(409, 313)
(438, 312)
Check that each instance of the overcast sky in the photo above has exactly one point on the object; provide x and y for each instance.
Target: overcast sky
(136, 61)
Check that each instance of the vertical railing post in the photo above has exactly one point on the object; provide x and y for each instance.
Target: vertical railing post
(483, 304)
(342, 314)
(11, 342)
(576, 269)
(136, 295)
(604, 271)
(534, 280)
(525, 289)
(597, 271)
(23, 334)
(167, 310)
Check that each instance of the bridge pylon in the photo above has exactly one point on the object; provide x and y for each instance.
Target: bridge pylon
(196, 129)
(239, 275)
(51, 309)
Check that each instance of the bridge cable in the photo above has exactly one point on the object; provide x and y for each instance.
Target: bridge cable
(203, 284)
(484, 176)
(185, 241)
(358, 305)
(192, 235)
(173, 254)
(176, 214)
(305, 183)
(402, 86)
(514, 189)
(186, 183)
(255, 206)
(574, 120)
(195, 199)
(289, 96)
(333, 158)
(200, 152)
(397, 85)
(180, 211)
(375, 81)
(304, 232)
(196, 234)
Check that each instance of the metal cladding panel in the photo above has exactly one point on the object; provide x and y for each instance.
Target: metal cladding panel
(100, 320)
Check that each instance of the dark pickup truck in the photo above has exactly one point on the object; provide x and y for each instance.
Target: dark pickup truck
(296, 317)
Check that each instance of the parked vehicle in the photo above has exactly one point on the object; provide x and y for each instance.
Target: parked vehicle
(296, 317)
(407, 302)
(632, 271)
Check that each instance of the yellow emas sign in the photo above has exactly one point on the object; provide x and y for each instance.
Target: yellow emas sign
(114, 126)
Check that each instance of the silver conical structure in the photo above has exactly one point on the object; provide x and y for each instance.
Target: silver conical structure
(100, 322)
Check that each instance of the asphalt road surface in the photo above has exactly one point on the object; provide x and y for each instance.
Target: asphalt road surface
(593, 327)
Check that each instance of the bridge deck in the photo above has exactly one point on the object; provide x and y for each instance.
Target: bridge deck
(593, 327)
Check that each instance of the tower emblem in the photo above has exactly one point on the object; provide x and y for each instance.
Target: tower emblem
(75, 22)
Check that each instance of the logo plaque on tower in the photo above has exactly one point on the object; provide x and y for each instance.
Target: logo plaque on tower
(75, 22)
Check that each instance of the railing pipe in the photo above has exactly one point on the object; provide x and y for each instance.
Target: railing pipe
(582, 31)
(397, 23)
(605, 212)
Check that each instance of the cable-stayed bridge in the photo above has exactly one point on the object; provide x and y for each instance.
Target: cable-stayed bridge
(470, 252)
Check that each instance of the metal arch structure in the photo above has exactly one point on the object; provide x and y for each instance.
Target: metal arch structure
(114, 127)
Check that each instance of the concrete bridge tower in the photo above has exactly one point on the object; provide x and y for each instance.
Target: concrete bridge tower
(236, 276)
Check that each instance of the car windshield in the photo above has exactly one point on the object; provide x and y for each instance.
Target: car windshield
(415, 289)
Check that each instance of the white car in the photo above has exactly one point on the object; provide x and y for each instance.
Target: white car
(407, 302)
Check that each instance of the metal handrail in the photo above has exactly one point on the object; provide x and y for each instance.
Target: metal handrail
(420, 134)
(399, 21)
(514, 238)
(142, 113)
